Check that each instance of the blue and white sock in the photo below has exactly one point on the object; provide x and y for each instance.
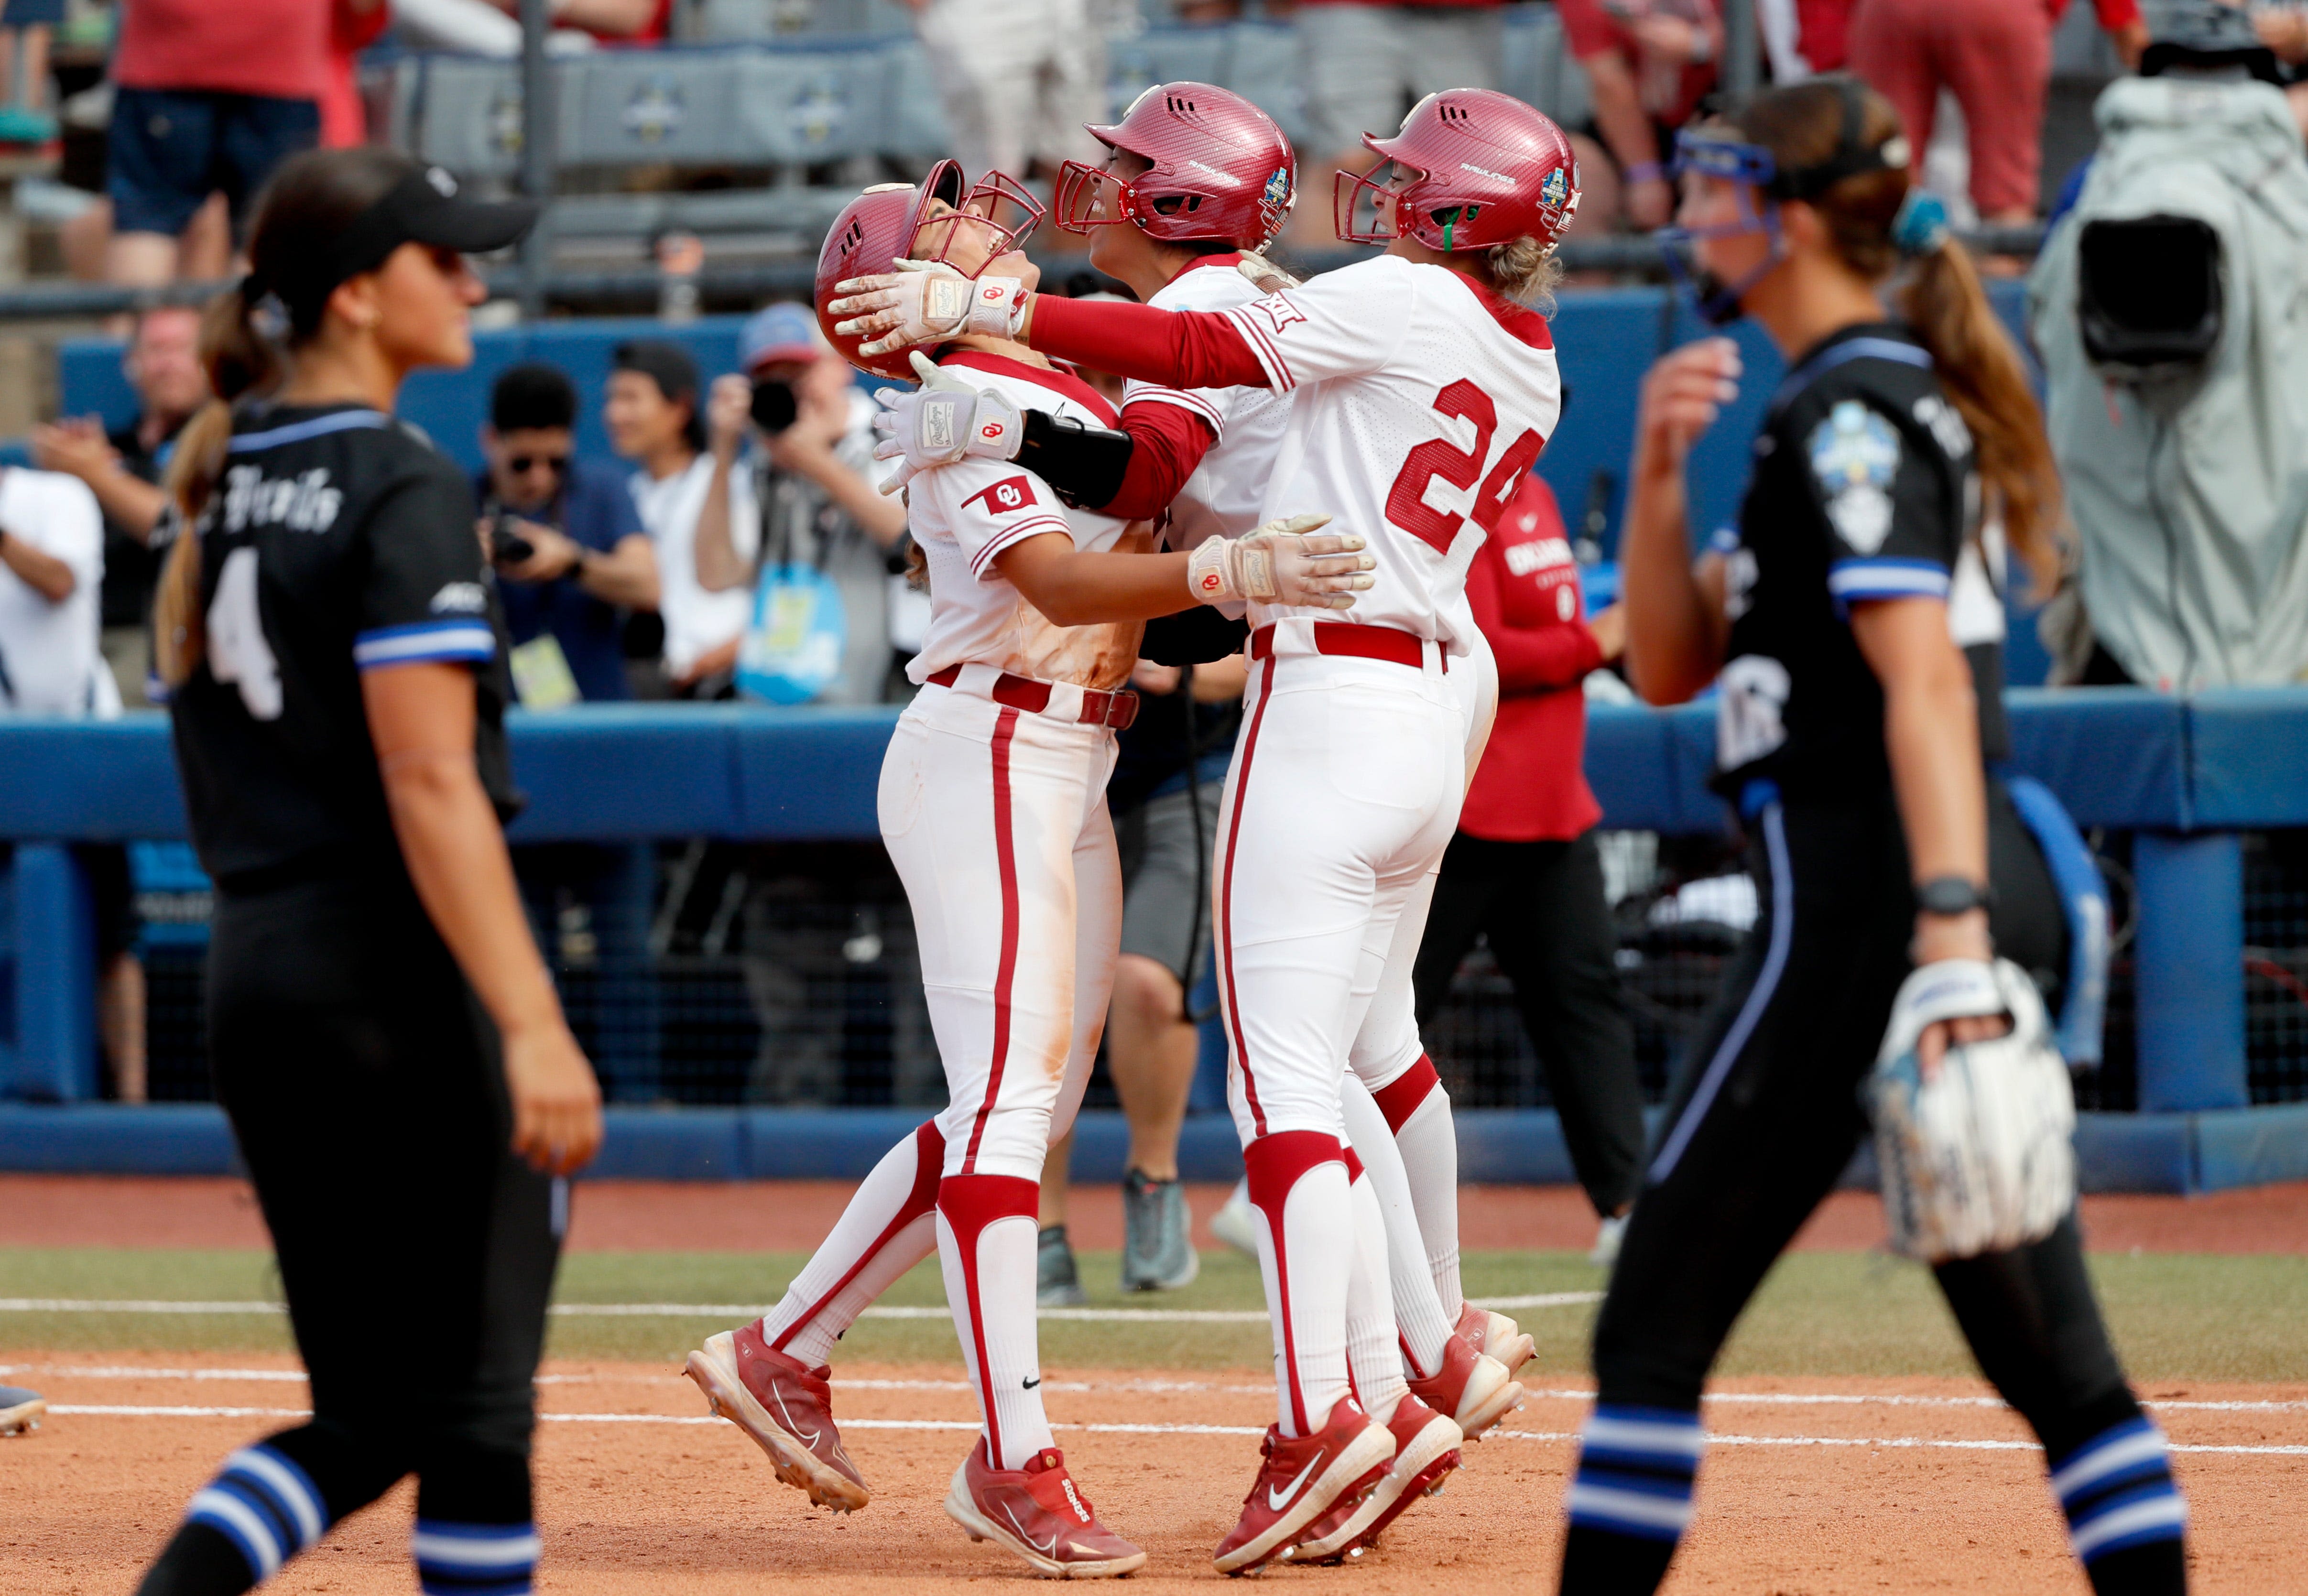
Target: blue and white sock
(2117, 1492)
(265, 1505)
(1636, 1469)
(454, 1560)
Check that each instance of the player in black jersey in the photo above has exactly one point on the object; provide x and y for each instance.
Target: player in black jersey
(404, 1090)
(1849, 740)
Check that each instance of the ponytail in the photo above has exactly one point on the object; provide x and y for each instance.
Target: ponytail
(1942, 302)
(240, 360)
(1876, 226)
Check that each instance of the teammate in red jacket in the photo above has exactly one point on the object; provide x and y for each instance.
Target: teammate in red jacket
(1523, 868)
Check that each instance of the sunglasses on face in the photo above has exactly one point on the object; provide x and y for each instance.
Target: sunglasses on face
(522, 465)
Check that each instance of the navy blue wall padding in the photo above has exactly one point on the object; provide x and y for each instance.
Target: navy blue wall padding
(2116, 757)
(2148, 1152)
(2249, 748)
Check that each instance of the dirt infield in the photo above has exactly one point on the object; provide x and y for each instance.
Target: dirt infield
(645, 1215)
(1809, 1485)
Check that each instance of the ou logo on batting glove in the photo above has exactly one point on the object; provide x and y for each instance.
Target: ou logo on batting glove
(991, 430)
(1011, 492)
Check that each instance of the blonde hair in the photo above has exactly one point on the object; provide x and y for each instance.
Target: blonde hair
(1525, 269)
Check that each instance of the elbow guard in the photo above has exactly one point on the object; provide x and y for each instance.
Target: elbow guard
(1197, 636)
(1084, 465)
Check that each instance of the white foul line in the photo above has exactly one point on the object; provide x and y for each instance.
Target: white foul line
(69, 1411)
(745, 1310)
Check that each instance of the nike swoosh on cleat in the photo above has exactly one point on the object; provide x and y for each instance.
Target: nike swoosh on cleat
(1277, 1501)
(793, 1425)
(1052, 1548)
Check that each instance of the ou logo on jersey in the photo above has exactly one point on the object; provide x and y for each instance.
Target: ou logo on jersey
(1011, 492)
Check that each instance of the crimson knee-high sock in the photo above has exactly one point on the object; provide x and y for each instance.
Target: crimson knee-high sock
(986, 1238)
(1419, 1111)
(1298, 1190)
(888, 1228)
(1373, 1351)
(1419, 1320)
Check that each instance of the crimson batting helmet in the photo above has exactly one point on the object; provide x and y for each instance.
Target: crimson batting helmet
(1485, 169)
(893, 221)
(1219, 170)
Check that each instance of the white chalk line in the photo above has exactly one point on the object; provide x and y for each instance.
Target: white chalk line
(70, 1410)
(744, 1311)
(1184, 1388)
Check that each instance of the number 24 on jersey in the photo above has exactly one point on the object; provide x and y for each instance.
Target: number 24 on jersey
(1408, 503)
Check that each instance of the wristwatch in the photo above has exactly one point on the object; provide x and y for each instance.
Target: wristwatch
(1951, 896)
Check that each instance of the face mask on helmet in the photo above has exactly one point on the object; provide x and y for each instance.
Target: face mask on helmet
(1751, 167)
(1364, 206)
(969, 231)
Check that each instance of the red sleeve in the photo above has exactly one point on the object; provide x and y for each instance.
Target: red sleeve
(1177, 349)
(1167, 442)
(1531, 658)
(1586, 29)
(2116, 15)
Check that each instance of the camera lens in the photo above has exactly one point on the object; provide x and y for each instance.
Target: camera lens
(774, 406)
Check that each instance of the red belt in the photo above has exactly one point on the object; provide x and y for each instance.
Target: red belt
(1344, 637)
(1116, 709)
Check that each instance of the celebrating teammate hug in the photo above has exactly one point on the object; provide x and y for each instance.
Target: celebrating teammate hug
(992, 808)
(1424, 391)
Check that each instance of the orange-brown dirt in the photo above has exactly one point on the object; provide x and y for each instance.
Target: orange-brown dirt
(666, 1501)
(649, 1215)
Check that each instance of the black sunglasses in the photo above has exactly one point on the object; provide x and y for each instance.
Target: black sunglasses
(520, 464)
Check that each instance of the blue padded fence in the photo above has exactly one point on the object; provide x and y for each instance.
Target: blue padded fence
(2183, 774)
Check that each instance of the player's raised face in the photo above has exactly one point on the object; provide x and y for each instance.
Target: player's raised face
(1115, 250)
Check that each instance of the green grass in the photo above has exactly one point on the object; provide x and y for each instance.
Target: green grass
(2175, 1317)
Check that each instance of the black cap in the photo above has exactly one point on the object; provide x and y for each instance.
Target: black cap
(425, 207)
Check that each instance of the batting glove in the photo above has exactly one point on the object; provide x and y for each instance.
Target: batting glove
(926, 302)
(943, 421)
(1279, 564)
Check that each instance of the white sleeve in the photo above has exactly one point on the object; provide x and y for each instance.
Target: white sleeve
(1341, 324)
(989, 506)
(64, 522)
(1211, 404)
(745, 512)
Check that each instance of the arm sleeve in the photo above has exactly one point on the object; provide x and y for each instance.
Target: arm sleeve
(1530, 659)
(1176, 348)
(1886, 509)
(990, 505)
(2116, 15)
(1168, 443)
(1343, 323)
(422, 595)
(1195, 635)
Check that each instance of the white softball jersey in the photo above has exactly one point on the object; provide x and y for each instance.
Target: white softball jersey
(1420, 401)
(964, 515)
(1227, 493)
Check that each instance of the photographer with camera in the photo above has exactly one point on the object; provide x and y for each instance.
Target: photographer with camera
(565, 541)
(826, 533)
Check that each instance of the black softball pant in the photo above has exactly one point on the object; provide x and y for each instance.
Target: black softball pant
(366, 1093)
(1541, 904)
(1764, 1118)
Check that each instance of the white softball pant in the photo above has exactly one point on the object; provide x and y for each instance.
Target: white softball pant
(1344, 792)
(995, 818)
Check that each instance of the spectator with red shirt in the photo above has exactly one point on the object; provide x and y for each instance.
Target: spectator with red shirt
(1995, 57)
(612, 21)
(1524, 870)
(1364, 65)
(1649, 64)
(209, 98)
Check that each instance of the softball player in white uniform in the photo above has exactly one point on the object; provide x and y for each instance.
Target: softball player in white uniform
(992, 804)
(1428, 394)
